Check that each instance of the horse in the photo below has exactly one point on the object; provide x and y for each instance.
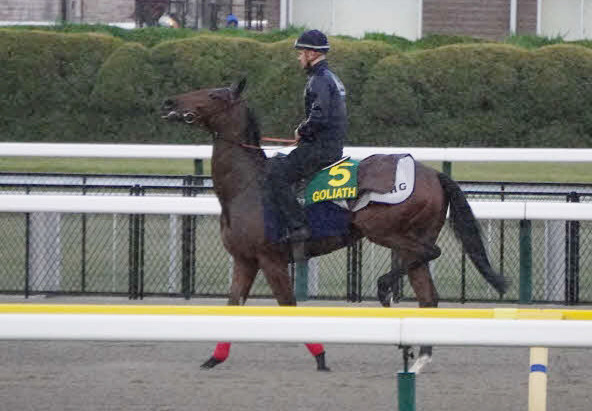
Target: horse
(410, 228)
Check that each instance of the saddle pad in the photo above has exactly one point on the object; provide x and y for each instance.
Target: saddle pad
(339, 182)
(377, 173)
(325, 219)
(401, 190)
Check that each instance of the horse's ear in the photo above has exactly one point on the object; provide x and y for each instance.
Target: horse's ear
(238, 88)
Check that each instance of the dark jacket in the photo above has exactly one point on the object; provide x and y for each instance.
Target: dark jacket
(325, 126)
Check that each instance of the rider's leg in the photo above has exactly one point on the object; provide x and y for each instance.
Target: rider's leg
(283, 172)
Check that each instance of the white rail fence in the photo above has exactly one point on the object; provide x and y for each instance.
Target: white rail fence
(209, 205)
(397, 331)
(203, 152)
(555, 213)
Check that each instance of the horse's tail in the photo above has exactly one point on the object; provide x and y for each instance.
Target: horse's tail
(467, 231)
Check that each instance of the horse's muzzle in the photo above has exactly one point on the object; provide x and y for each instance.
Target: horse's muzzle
(172, 115)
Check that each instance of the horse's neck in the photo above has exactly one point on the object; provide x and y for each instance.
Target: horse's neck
(236, 171)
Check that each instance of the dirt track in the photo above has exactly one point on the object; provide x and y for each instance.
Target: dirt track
(58, 376)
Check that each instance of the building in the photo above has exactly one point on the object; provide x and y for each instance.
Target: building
(492, 19)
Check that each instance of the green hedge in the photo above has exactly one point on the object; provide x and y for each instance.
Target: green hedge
(482, 95)
(95, 87)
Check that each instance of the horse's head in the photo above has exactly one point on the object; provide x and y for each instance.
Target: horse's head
(202, 107)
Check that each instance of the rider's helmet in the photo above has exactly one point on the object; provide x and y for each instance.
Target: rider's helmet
(312, 40)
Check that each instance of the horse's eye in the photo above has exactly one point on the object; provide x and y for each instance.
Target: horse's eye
(213, 96)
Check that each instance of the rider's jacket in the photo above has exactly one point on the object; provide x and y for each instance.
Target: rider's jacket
(326, 114)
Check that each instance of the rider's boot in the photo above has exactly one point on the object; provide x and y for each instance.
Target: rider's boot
(297, 239)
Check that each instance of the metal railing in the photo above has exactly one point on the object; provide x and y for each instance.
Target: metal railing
(181, 255)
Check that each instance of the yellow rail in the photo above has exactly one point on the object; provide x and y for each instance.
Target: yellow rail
(359, 312)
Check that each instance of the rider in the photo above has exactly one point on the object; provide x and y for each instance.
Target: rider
(320, 136)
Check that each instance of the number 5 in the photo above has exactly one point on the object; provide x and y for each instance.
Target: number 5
(338, 171)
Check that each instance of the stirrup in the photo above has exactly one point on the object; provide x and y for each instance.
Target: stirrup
(298, 252)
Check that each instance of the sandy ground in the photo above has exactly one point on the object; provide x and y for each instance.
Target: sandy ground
(64, 375)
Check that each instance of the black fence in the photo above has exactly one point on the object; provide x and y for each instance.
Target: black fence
(140, 255)
(200, 14)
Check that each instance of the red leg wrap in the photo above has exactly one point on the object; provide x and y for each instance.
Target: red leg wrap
(221, 351)
(315, 349)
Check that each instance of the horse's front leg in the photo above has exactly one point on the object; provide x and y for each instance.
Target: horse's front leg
(276, 273)
(425, 291)
(243, 276)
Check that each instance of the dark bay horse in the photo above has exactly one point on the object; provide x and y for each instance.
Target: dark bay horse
(410, 229)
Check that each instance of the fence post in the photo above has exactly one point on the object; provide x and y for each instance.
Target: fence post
(301, 281)
(198, 169)
(406, 390)
(463, 275)
(525, 262)
(141, 249)
(572, 256)
(187, 240)
(27, 252)
(354, 272)
(135, 288)
(406, 383)
(537, 380)
(83, 244)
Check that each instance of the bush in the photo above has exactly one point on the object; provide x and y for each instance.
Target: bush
(432, 41)
(532, 42)
(95, 87)
(482, 95)
(46, 81)
(207, 61)
(400, 43)
(125, 82)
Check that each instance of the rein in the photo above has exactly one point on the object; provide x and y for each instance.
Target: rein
(289, 143)
(191, 117)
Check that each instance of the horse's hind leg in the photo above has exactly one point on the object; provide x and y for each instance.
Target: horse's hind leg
(276, 274)
(243, 275)
(388, 284)
(427, 296)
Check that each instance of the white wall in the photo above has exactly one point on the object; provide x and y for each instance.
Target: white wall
(587, 17)
(563, 18)
(314, 14)
(355, 17)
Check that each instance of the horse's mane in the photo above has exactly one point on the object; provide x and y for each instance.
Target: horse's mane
(253, 130)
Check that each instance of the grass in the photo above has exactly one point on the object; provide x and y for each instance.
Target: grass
(522, 172)
(151, 36)
(98, 165)
(517, 172)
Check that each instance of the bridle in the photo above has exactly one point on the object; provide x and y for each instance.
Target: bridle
(191, 117)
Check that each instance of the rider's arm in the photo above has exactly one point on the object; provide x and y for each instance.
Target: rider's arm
(318, 119)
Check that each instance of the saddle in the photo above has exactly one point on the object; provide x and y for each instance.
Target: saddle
(346, 186)
(379, 174)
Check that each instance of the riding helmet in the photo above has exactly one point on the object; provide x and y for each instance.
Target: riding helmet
(312, 40)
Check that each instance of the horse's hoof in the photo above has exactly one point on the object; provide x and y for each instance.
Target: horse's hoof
(421, 362)
(384, 297)
(211, 363)
(384, 292)
(321, 366)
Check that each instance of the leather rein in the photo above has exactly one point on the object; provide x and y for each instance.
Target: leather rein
(190, 117)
